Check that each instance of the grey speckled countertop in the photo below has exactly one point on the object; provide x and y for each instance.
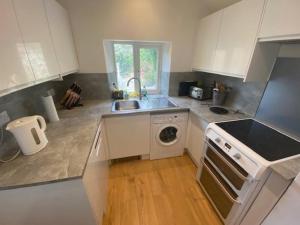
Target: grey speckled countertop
(66, 154)
(71, 138)
(70, 142)
(288, 169)
(201, 109)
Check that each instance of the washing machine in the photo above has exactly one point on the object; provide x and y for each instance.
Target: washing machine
(168, 132)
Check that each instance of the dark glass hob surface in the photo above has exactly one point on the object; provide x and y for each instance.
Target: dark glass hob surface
(265, 141)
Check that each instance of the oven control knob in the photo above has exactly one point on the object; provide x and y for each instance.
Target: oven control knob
(218, 140)
(237, 156)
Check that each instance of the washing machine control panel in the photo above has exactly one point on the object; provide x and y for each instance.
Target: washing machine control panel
(169, 118)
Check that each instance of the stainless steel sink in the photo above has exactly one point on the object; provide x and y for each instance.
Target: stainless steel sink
(126, 105)
(140, 105)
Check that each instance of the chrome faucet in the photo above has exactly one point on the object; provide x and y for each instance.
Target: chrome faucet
(140, 88)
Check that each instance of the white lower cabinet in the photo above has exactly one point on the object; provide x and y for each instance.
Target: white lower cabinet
(286, 210)
(195, 138)
(80, 201)
(271, 192)
(95, 178)
(128, 135)
(63, 203)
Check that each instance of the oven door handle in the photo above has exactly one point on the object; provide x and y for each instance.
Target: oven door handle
(219, 183)
(227, 163)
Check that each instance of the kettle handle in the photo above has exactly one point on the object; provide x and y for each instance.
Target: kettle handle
(42, 122)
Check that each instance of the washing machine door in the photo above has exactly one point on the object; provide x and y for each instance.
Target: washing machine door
(168, 135)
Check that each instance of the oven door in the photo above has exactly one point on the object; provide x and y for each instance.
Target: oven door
(219, 192)
(232, 172)
(224, 181)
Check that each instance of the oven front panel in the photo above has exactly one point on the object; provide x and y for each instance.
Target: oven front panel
(220, 194)
(226, 184)
(232, 152)
(229, 176)
(232, 171)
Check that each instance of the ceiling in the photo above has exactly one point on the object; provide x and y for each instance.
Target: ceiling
(215, 5)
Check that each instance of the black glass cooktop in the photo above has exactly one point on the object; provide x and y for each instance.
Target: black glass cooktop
(265, 141)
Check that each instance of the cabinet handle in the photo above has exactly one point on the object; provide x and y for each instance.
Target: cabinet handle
(98, 146)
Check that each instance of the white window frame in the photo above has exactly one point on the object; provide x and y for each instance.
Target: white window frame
(136, 61)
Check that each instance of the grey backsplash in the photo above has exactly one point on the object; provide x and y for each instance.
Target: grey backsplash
(177, 77)
(244, 97)
(280, 106)
(94, 85)
(26, 102)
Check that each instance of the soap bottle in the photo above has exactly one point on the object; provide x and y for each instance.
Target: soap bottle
(144, 91)
(125, 95)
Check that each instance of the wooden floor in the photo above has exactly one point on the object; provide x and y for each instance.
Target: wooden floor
(159, 192)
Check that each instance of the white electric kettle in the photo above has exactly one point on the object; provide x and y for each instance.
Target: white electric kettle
(30, 133)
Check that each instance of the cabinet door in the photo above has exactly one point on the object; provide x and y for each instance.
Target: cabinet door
(206, 42)
(32, 19)
(95, 178)
(286, 210)
(128, 135)
(14, 63)
(237, 38)
(196, 137)
(281, 19)
(62, 37)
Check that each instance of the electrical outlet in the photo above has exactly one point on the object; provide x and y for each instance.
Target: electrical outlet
(4, 118)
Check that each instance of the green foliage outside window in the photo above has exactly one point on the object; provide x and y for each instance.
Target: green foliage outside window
(148, 65)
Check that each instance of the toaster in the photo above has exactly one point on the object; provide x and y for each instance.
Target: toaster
(184, 87)
(200, 93)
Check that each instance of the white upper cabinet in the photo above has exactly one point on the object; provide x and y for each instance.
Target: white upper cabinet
(32, 19)
(281, 20)
(227, 39)
(14, 63)
(206, 42)
(62, 37)
(237, 37)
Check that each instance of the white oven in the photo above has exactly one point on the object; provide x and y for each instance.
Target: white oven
(230, 179)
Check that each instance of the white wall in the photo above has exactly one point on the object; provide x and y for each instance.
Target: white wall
(215, 5)
(152, 20)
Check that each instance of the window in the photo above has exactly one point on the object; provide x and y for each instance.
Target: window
(141, 60)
